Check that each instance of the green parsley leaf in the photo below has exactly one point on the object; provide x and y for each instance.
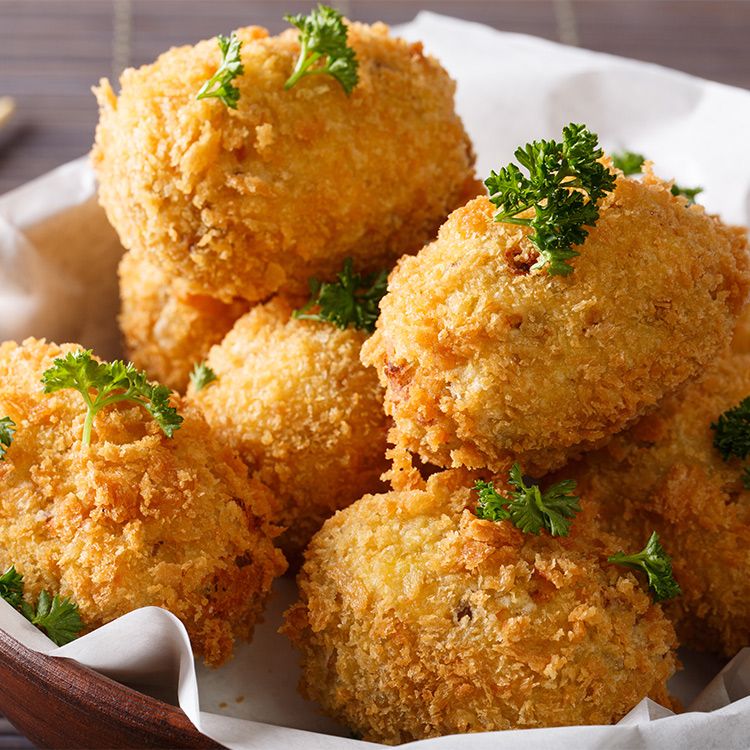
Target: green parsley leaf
(732, 438)
(58, 617)
(528, 507)
(7, 430)
(201, 376)
(631, 163)
(11, 587)
(628, 162)
(732, 430)
(688, 193)
(219, 86)
(565, 182)
(323, 34)
(655, 562)
(111, 382)
(491, 503)
(352, 300)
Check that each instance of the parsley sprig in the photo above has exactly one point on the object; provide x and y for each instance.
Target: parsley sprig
(528, 507)
(628, 162)
(7, 430)
(323, 48)
(110, 382)
(631, 163)
(565, 182)
(201, 376)
(732, 435)
(11, 587)
(351, 300)
(686, 192)
(57, 616)
(219, 86)
(657, 566)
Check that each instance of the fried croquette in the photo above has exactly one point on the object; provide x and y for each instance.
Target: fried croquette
(292, 397)
(741, 340)
(418, 619)
(665, 474)
(166, 329)
(251, 201)
(486, 361)
(135, 519)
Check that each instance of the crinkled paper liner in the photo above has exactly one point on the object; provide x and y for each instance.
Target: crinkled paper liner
(58, 259)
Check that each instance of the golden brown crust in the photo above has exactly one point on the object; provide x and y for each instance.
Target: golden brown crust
(741, 340)
(251, 201)
(418, 619)
(136, 519)
(294, 400)
(485, 362)
(166, 329)
(665, 475)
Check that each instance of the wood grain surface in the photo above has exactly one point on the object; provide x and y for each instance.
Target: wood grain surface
(60, 704)
(53, 51)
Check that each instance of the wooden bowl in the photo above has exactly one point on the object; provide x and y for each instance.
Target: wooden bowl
(57, 703)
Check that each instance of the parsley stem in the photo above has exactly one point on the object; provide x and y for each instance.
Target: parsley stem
(87, 426)
(303, 63)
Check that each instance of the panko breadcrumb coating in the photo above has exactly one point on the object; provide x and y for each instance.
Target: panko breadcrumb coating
(418, 619)
(166, 328)
(486, 361)
(741, 340)
(135, 519)
(664, 474)
(294, 400)
(250, 201)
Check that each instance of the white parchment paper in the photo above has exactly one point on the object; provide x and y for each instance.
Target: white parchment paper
(58, 259)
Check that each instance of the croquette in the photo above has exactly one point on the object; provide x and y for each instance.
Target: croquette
(486, 360)
(418, 619)
(292, 397)
(135, 519)
(665, 474)
(250, 201)
(741, 340)
(167, 329)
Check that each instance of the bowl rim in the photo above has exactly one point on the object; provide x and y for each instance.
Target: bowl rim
(57, 702)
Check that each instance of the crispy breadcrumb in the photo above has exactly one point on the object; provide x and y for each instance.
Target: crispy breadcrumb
(136, 519)
(292, 397)
(166, 329)
(418, 619)
(485, 361)
(664, 474)
(250, 201)
(741, 340)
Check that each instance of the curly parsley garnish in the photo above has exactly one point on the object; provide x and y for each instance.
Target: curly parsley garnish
(7, 430)
(656, 564)
(686, 192)
(219, 86)
(323, 48)
(631, 163)
(628, 162)
(565, 182)
(57, 616)
(732, 438)
(11, 587)
(528, 507)
(201, 376)
(351, 300)
(110, 382)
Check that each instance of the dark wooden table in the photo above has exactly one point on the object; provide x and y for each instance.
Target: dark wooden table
(53, 51)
